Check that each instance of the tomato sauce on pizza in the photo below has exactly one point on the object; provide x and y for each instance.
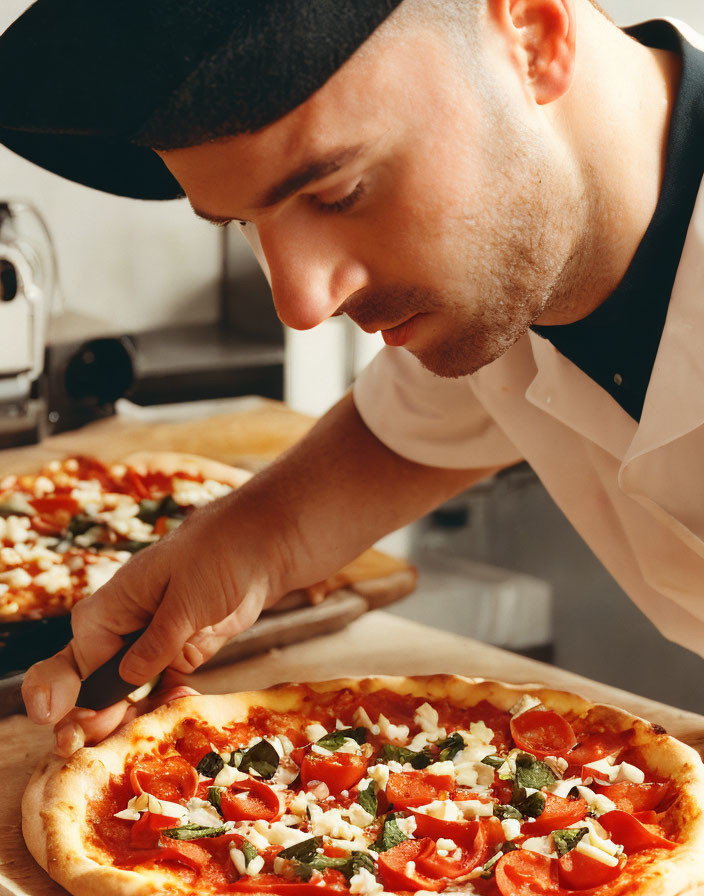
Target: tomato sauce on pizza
(365, 793)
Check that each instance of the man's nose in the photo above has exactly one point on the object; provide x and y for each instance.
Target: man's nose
(311, 275)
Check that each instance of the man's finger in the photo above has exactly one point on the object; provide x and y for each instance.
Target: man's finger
(50, 688)
(161, 642)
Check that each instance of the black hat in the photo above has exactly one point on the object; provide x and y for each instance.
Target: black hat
(89, 87)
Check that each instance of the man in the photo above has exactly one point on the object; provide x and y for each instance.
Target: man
(452, 174)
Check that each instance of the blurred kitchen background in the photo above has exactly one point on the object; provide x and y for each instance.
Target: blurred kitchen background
(152, 302)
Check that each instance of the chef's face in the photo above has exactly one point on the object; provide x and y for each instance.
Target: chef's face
(419, 198)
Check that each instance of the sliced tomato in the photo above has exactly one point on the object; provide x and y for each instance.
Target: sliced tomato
(50, 504)
(526, 873)
(580, 872)
(183, 852)
(542, 732)
(329, 886)
(558, 813)
(433, 865)
(632, 834)
(395, 872)
(340, 771)
(144, 833)
(250, 800)
(170, 779)
(406, 789)
(136, 484)
(633, 797)
(593, 747)
(193, 746)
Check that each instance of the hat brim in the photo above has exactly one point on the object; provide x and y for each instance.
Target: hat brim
(112, 166)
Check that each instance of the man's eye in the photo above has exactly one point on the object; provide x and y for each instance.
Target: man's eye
(339, 205)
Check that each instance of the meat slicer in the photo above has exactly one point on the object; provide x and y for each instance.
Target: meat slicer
(27, 279)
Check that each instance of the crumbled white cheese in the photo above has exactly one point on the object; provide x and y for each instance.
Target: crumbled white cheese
(359, 816)
(523, 704)
(442, 768)
(598, 803)
(543, 845)
(594, 852)
(227, 776)
(557, 765)
(407, 825)
(278, 834)
(332, 824)
(315, 731)
(447, 810)
(426, 717)
(147, 802)
(203, 813)
(379, 774)
(363, 883)
(562, 788)
(16, 578)
(17, 528)
(398, 734)
(475, 808)
(512, 828)
(446, 844)
(55, 579)
(321, 751)
(361, 718)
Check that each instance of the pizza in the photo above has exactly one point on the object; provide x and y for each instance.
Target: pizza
(66, 529)
(359, 787)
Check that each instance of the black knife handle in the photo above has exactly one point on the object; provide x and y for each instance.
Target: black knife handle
(104, 687)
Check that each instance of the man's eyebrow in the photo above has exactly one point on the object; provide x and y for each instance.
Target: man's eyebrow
(308, 172)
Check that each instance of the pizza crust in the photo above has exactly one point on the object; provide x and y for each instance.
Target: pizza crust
(55, 802)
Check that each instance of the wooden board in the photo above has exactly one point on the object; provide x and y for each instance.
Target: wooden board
(375, 643)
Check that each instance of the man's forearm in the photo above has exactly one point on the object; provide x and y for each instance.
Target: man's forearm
(339, 490)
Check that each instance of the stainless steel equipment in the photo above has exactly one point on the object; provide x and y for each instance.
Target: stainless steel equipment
(27, 281)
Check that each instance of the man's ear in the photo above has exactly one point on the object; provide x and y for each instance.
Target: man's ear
(541, 36)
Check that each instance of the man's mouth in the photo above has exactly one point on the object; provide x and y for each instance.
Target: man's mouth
(395, 334)
(401, 333)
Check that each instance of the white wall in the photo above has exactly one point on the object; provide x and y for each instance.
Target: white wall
(628, 12)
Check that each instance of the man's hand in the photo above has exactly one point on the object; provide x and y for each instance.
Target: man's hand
(83, 727)
(203, 584)
(299, 521)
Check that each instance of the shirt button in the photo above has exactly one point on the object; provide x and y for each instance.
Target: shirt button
(618, 379)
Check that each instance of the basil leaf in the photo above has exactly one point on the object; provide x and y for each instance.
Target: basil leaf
(195, 831)
(493, 761)
(127, 544)
(261, 757)
(348, 865)
(336, 739)
(80, 524)
(532, 805)
(390, 752)
(507, 812)
(249, 852)
(367, 799)
(214, 794)
(210, 765)
(531, 772)
(450, 747)
(151, 509)
(488, 868)
(566, 839)
(305, 851)
(389, 836)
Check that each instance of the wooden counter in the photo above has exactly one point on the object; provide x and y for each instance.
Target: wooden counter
(377, 643)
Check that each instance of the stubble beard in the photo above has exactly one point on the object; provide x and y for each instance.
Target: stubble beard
(538, 263)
